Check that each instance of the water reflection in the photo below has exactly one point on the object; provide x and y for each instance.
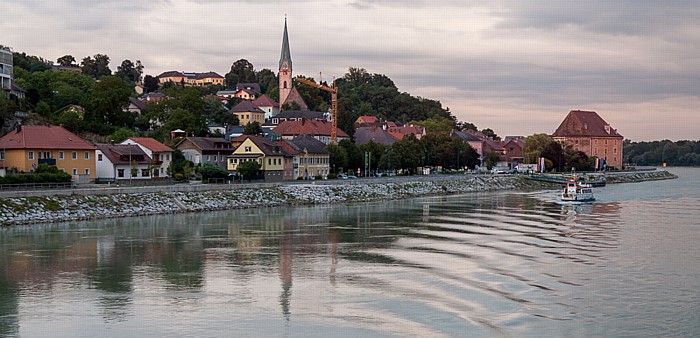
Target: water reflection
(482, 264)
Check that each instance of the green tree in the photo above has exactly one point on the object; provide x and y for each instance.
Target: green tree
(108, 98)
(534, 147)
(267, 80)
(150, 84)
(96, 67)
(122, 134)
(216, 112)
(66, 60)
(354, 155)
(209, 170)
(248, 169)
(375, 152)
(436, 124)
(71, 120)
(252, 128)
(338, 157)
(490, 133)
(130, 71)
(180, 118)
(407, 154)
(241, 71)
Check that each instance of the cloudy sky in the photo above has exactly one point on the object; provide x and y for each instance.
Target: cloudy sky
(517, 67)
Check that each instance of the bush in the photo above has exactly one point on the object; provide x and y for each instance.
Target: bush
(212, 171)
(179, 177)
(39, 177)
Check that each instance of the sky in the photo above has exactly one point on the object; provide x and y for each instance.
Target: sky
(517, 67)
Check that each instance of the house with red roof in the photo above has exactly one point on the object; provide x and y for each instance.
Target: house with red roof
(400, 132)
(24, 148)
(366, 121)
(319, 129)
(161, 155)
(122, 162)
(268, 105)
(586, 131)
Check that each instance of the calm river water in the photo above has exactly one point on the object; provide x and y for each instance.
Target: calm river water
(491, 264)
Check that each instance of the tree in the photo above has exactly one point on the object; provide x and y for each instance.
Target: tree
(375, 152)
(252, 128)
(96, 67)
(108, 98)
(338, 157)
(150, 83)
(66, 61)
(534, 147)
(209, 170)
(436, 124)
(407, 154)
(248, 169)
(184, 119)
(121, 135)
(241, 71)
(353, 152)
(216, 112)
(490, 133)
(267, 80)
(130, 71)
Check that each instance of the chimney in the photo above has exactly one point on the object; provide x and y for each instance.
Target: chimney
(19, 128)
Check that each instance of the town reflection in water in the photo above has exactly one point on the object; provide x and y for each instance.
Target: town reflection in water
(189, 254)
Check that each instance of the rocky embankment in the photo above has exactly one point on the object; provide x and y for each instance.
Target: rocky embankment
(57, 208)
(641, 176)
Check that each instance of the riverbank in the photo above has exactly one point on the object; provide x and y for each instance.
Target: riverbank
(69, 206)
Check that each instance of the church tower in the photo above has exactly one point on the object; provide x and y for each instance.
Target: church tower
(285, 71)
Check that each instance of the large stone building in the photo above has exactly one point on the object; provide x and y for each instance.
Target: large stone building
(588, 132)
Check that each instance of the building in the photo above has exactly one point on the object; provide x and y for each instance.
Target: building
(400, 132)
(245, 94)
(268, 105)
(311, 159)
(321, 130)
(191, 78)
(136, 106)
(206, 150)
(285, 68)
(588, 132)
(161, 155)
(249, 86)
(298, 115)
(247, 113)
(24, 148)
(268, 153)
(122, 162)
(366, 121)
(6, 73)
(367, 134)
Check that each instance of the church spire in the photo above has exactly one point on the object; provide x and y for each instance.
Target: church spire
(286, 54)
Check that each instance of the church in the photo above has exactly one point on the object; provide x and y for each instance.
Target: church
(289, 96)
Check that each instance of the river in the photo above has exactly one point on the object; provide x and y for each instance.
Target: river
(486, 264)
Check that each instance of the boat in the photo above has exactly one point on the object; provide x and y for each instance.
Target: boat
(577, 191)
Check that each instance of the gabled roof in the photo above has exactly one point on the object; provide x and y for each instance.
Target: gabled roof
(151, 144)
(267, 146)
(43, 137)
(209, 143)
(304, 126)
(465, 136)
(124, 153)
(265, 101)
(308, 143)
(302, 114)
(364, 135)
(170, 74)
(366, 119)
(580, 123)
(249, 86)
(138, 103)
(294, 96)
(246, 106)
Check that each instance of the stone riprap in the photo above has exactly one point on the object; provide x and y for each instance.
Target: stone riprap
(57, 208)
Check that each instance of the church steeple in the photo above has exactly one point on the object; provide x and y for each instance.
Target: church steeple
(285, 71)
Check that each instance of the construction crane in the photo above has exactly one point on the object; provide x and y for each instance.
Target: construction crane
(334, 104)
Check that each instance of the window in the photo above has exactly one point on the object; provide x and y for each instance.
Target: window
(207, 158)
(216, 159)
(614, 150)
(87, 171)
(2, 155)
(61, 155)
(285, 85)
(31, 155)
(99, 157)
(74, 155)
(120, 172)
(269, 161)
(87, 155)
(145, 173)
(75, 171)
(47, 154)
(248, 149)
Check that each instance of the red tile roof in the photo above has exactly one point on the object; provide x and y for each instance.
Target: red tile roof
(367, 119)
(580, 123)
(151, 144)
(43, 137)
(124, 153)
(265, 101)
(304, 126)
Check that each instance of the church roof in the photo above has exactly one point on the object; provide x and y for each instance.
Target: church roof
(286, 54)
(580, 123)
(294, 96)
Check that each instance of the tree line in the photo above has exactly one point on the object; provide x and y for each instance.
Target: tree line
(654, 153)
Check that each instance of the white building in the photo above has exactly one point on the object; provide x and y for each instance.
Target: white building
(160, 154)
(121, 162)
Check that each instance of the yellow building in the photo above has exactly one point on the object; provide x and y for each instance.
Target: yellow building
(23, 149)
(248, 113)
(268, 153)
(191, 79)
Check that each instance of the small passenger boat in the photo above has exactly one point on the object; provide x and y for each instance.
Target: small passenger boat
(577, 191)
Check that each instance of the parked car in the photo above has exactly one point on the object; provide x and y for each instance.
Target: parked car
(343, 176)
(351, 176)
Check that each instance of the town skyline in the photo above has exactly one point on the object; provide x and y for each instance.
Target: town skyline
(518, 70)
